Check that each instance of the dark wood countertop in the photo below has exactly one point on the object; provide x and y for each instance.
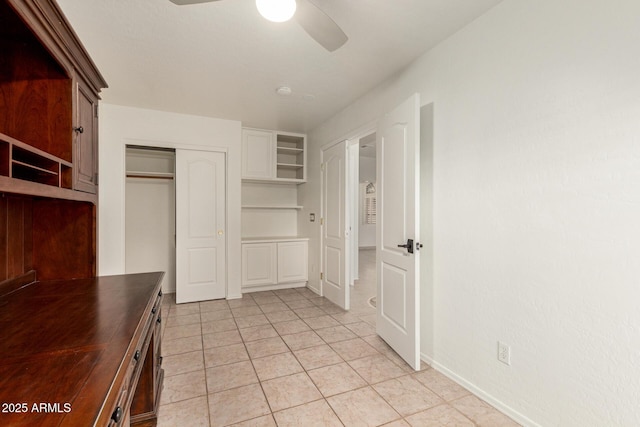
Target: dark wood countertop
(68, 344)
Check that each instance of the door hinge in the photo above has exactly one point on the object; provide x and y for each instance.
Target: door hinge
(321, 276)
(322, 166)
(95, 178)
(321, 221)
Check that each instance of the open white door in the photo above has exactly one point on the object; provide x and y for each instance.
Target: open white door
(398, 268)
(200, 225)
(335, 249)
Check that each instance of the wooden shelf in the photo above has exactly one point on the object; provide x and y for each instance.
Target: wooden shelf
(19, 186)
(35, 168)
(22, 162)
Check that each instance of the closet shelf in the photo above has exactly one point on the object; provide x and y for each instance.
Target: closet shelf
(149, 175)
(271, 207)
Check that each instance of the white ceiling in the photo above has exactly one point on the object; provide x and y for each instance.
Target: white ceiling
(224, 60)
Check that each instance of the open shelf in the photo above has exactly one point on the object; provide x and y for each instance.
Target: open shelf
(290, 157)
(287, 150)
(21, 161)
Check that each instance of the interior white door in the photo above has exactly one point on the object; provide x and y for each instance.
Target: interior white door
(335, 282)
(398, 268)
(200, 225)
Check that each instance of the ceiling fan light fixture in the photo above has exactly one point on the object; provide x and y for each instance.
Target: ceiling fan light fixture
(276, 10)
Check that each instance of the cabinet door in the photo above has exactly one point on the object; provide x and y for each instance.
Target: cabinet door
(258, 151)
(85, 161)
(292, 262)
(258, 264)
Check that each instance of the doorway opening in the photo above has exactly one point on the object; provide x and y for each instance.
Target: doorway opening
(150, 220)
(363, 207)
(175, 218)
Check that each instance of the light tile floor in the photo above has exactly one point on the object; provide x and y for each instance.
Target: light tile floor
(291, 358)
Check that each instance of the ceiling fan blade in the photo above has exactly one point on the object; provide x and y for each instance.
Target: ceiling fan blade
(187, 2)
(319, 25)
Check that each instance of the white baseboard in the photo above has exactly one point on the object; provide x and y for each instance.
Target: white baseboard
(314, 290)
(496, 403)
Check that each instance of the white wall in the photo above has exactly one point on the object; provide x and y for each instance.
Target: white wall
(427, 309)
(366, 232)
(536, 204)
(120, 126)
(269, 222)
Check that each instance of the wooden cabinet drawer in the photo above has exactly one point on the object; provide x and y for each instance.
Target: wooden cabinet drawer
(119, 416)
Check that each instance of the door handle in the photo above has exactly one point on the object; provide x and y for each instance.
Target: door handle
(408, 246)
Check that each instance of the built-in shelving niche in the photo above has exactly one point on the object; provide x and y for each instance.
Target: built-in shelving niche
(290, 157)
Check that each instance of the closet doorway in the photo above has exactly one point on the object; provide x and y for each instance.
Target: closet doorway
(175, 219)
(150, 213)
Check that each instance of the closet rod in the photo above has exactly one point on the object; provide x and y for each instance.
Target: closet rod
(148, 176)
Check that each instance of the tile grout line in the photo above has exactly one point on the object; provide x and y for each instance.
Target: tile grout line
(306, 371)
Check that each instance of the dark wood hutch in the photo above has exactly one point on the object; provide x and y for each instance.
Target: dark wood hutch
(85, 347)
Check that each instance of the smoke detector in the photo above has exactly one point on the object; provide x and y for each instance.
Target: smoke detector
(284, 91)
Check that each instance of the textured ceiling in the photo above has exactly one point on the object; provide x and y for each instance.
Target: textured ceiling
(224, 60)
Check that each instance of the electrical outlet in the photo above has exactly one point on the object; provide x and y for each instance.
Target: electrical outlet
(504, 353)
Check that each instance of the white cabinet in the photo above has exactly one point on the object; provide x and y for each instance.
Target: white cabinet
(273, 156)
(292, 262)
(258, 154)
(259, 264)
(273, 163)
(274, 264)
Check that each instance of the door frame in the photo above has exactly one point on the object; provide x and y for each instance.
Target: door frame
(353, 205)
(182, 146)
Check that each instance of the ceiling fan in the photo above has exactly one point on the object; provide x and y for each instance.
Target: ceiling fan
(313, 20)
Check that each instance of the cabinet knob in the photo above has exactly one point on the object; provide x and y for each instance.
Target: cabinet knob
(117, 414)
(153, 310)
(136, 356)
(79, 129)
(160, 293)
(159, 320)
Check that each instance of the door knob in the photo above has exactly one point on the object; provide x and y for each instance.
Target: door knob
(408, 246)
